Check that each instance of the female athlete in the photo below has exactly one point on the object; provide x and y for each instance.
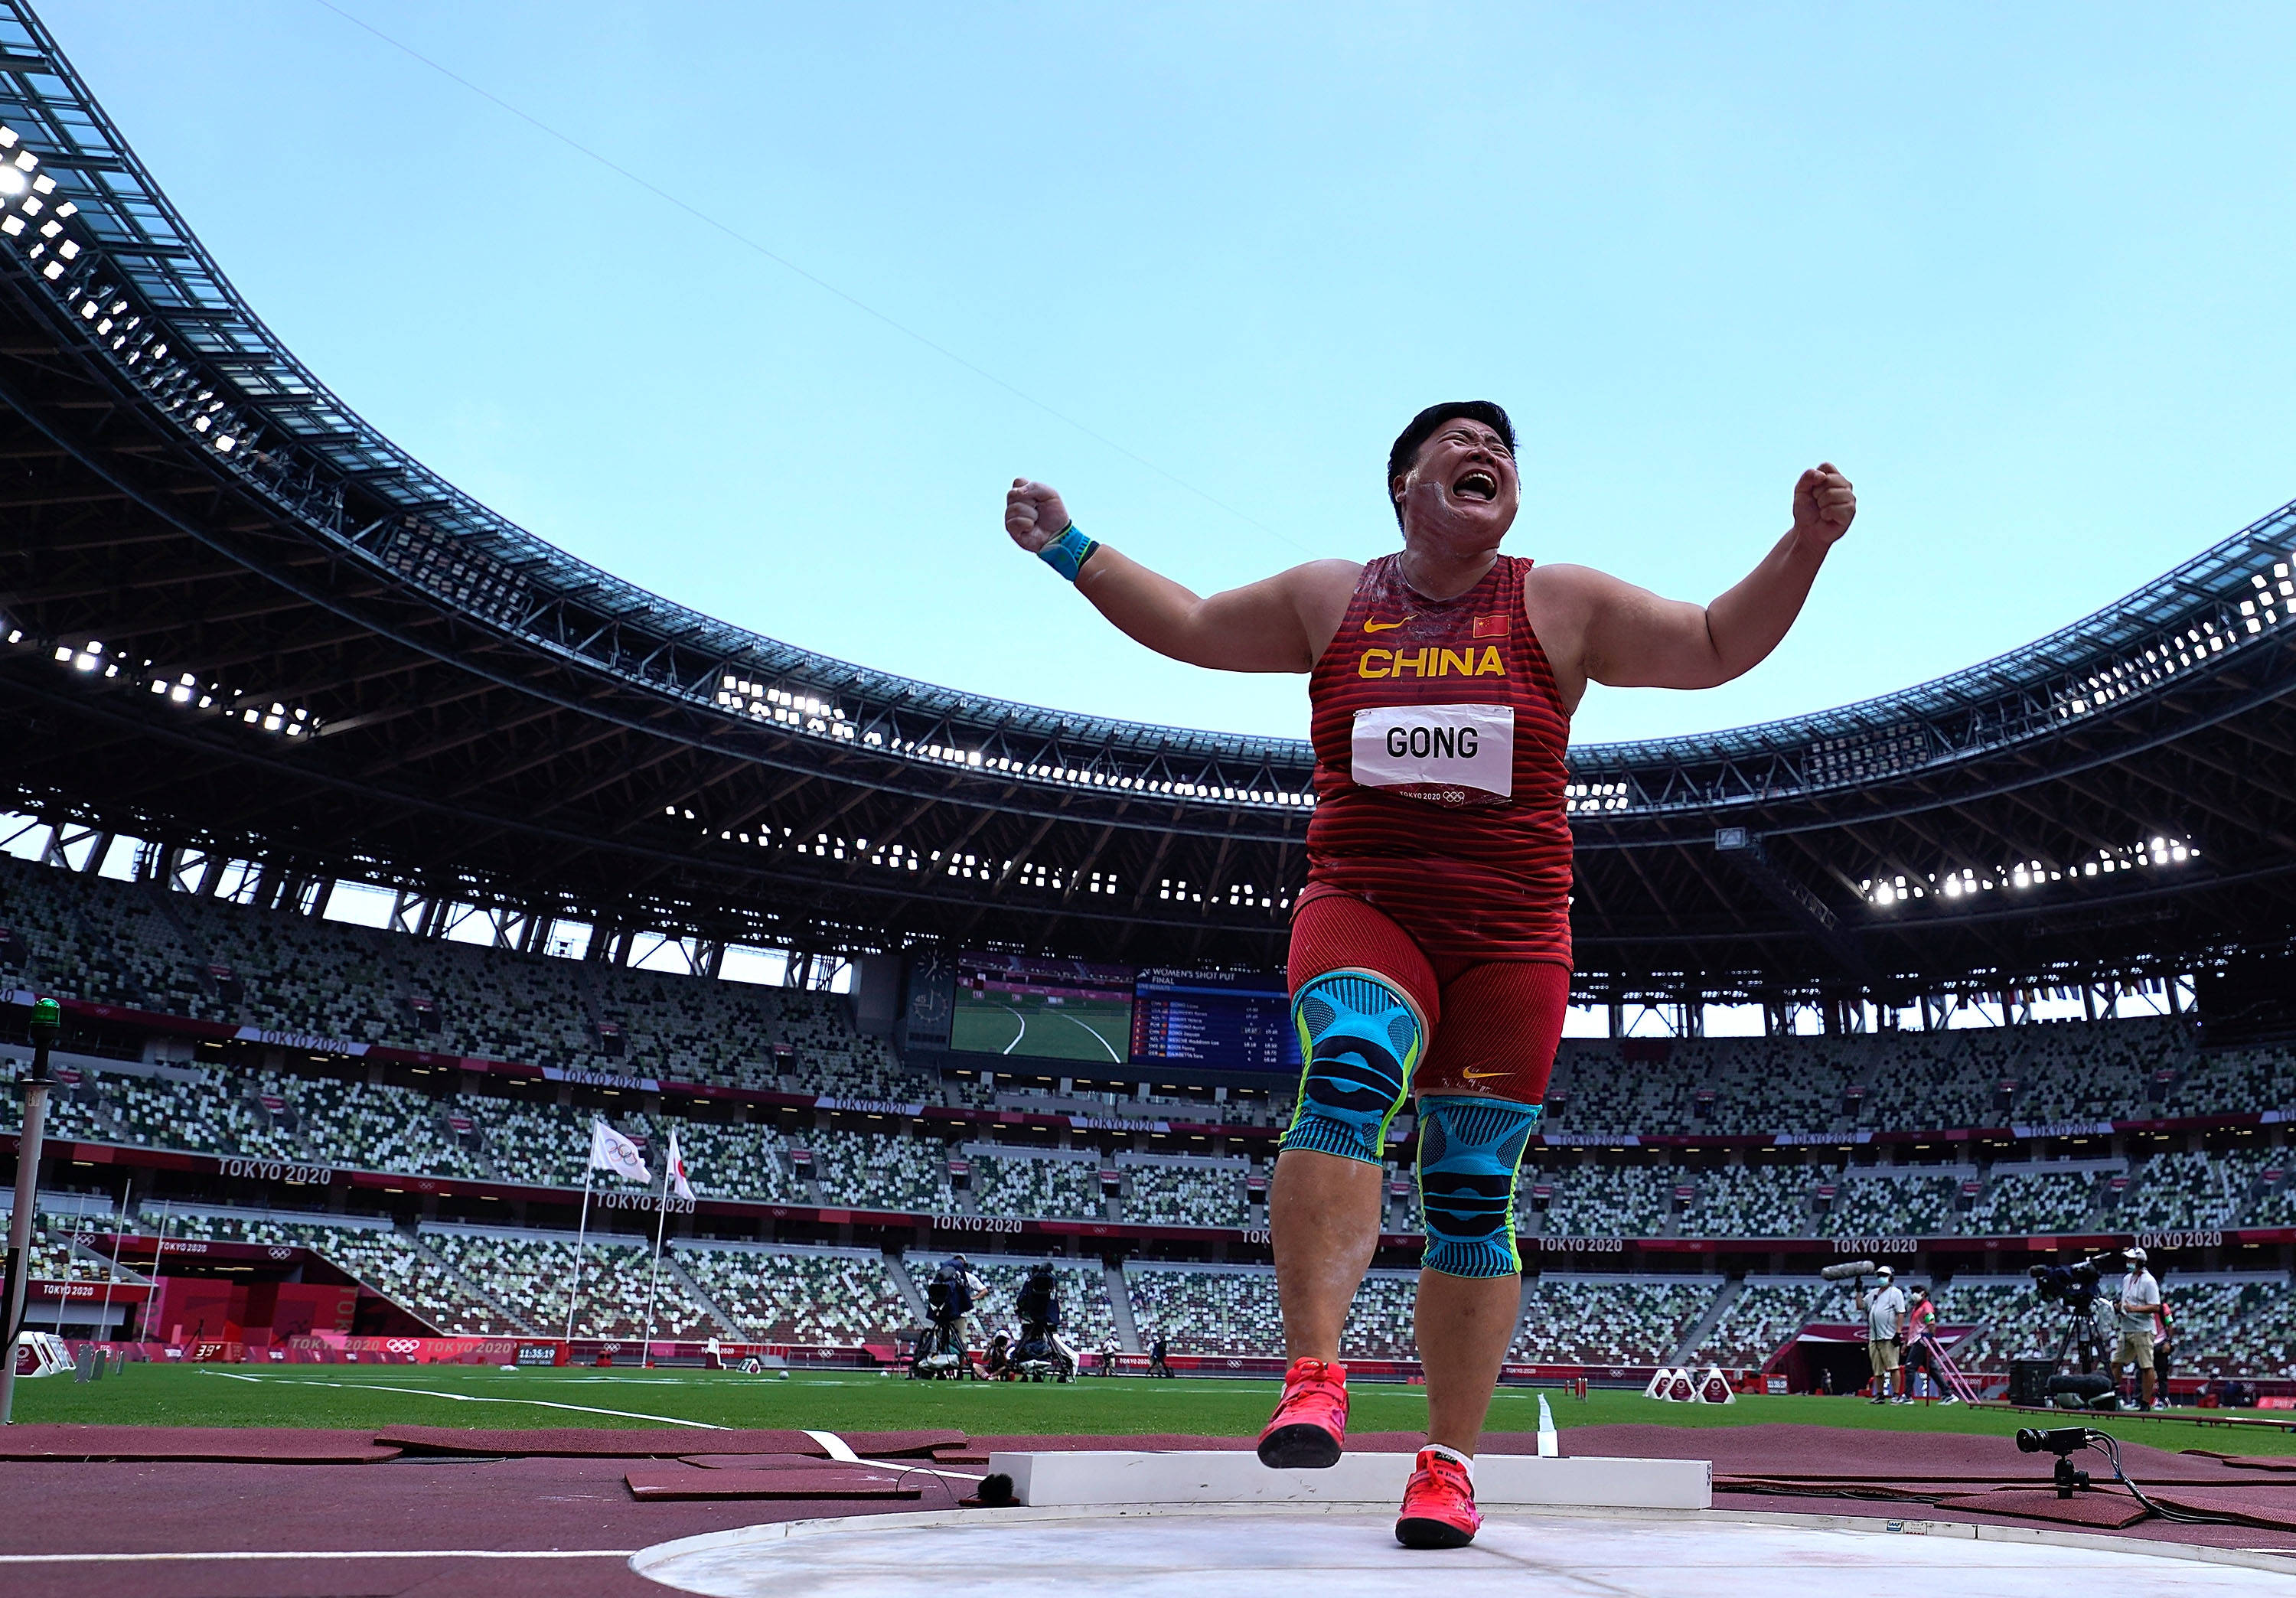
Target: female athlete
(1430, 948)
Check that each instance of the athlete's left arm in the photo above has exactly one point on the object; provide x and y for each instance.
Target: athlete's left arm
(1596, 627)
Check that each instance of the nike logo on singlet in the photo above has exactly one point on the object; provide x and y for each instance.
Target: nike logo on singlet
(1385, 626)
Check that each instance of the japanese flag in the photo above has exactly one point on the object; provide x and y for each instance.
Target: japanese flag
(677, 1161)
(610, 1150)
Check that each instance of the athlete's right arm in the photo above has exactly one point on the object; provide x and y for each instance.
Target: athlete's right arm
(1281, 623)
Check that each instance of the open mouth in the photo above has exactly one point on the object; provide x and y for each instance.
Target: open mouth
(1476, 484)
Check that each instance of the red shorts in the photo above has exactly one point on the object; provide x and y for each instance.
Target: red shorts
(1492, 1025)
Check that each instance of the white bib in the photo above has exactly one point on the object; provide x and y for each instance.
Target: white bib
(1448, 754)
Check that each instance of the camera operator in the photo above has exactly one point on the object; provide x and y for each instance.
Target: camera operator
(949, 1299)
(1158, 1365)
(2139, 1309)
(976, 1293)
(1039, 1303)
(1885, 1309)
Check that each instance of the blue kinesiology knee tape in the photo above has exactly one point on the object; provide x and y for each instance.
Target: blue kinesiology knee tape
(1359, 1040)
(1468, 1152)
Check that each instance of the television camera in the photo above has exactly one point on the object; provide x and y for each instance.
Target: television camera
(1040, 1354)
(940, 1346)
(2075, 1288)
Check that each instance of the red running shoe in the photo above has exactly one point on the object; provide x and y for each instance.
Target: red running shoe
(1439, 1505)
(1310, 1421)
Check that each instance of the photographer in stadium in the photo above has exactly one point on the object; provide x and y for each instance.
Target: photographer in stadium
(1885, 1311)
(2139, 1308)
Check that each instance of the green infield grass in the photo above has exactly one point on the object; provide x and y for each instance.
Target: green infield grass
(373, 1397)
(1032, 1028)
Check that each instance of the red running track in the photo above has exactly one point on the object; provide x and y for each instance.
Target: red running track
(584, 1502)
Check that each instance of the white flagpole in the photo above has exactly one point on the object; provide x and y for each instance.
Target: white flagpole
(159, 1247)
(653, 1277)
(71, 1267)
(112, 1275)
(580, 1233)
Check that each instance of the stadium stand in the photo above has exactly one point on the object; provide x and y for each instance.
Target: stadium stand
(1232, 1310)
(2231, 1327)
(1210, 1309)
(2036, 1073)
(1761, 1319)
(1871, 1203)
(60, 1250)
(182, 953)
(2176, 1190)
(873, 1171)
(1170, 1192)
(1024, 1185)
(1750, 1201)
(1597, 1201)
(827, 1297)
(530, 1273)
(1607, 1320)
(207, 959)
(2020, 1202)
(133, 944)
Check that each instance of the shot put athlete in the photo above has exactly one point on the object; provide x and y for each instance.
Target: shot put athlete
(1431, 949)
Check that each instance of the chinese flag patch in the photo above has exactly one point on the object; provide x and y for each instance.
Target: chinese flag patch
(1491, 627)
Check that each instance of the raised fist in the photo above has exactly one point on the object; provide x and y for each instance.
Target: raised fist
(1034, 514)
(1823, 504)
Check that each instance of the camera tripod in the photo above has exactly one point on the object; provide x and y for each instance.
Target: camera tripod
(2081, 1340)
(940, 1351)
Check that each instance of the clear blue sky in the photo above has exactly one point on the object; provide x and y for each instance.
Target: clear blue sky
(2026, 273)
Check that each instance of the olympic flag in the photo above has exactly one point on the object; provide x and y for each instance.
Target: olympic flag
(610, 1150)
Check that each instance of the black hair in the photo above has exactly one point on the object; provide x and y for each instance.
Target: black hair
(1405, 448)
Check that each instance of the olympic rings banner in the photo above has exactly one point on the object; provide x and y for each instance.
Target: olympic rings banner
(337, 1347)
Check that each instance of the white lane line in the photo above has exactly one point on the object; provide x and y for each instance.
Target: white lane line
(424, 1392)
(133, 1558)
(835, 1447)
(1088, 1032)
(842, 1452)
(1023, 1032)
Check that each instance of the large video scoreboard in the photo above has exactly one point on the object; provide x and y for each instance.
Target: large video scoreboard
(1032, 1009)
(1222, 1020)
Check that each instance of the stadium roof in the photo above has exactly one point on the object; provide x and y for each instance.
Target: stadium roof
(313, 649)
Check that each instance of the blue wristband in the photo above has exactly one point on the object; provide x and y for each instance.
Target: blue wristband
(1066, 553)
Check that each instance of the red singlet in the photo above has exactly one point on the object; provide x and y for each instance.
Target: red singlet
(1439, 735)
(1469, 851)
